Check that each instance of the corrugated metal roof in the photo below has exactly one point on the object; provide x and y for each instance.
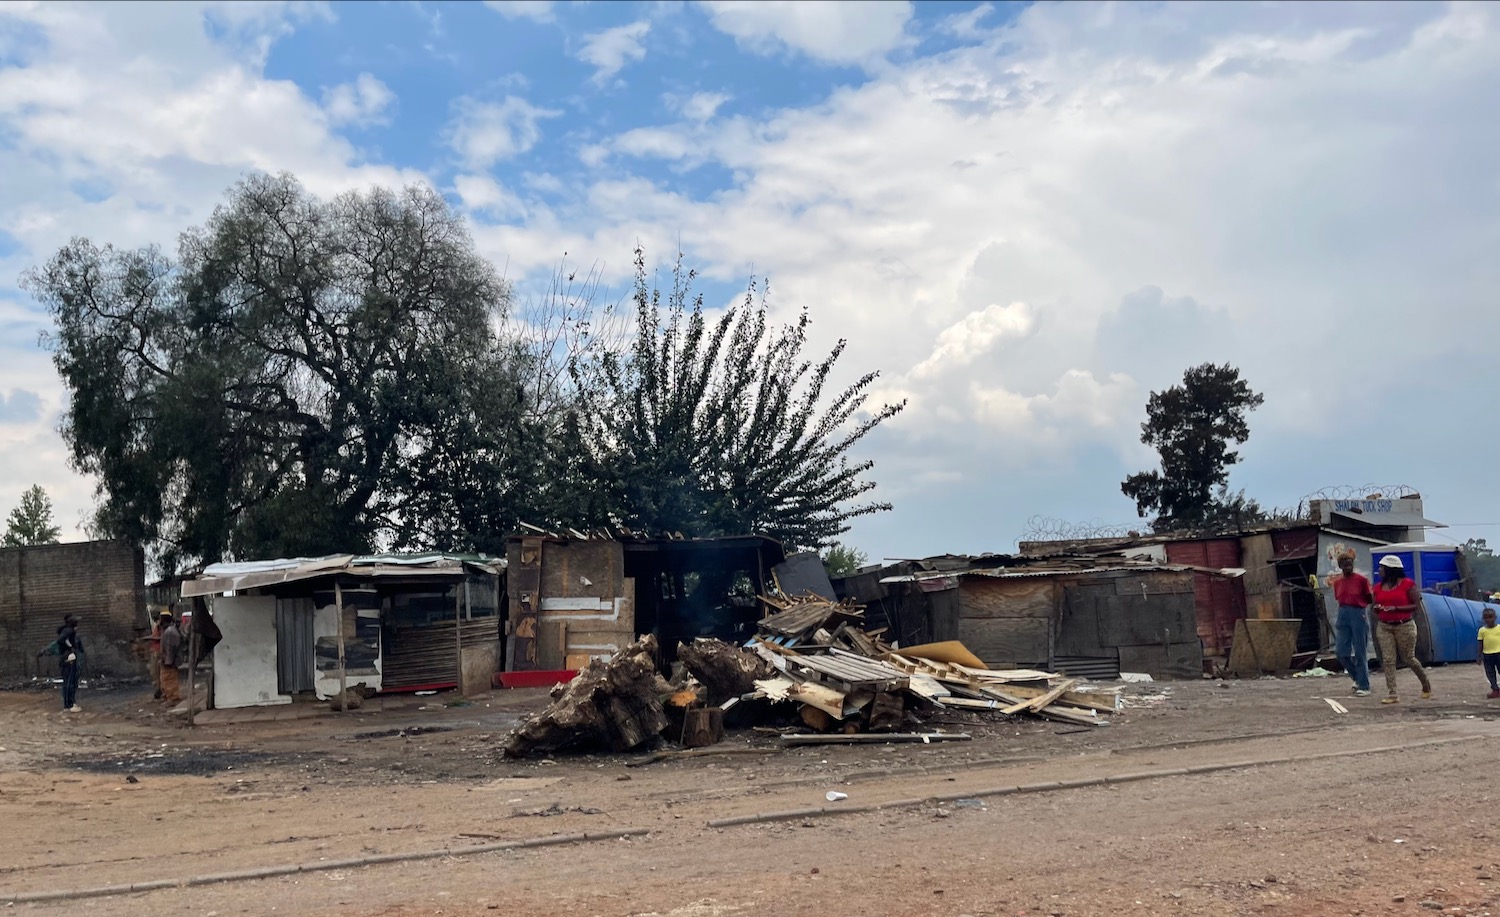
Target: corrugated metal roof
(234, 577)
(1030, 571)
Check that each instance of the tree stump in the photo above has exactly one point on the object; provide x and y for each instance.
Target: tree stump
(613, 706)
(724, 669)
(704, 726)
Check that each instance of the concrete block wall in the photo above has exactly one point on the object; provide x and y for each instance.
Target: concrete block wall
(102, 582)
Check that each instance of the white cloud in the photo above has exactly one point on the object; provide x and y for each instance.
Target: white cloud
(831, 31)
(364, 101)
(483, 133)
(537, 10)
(700, 106)
(974, 335)
(483, 194)
(1290, 181)
(610, 50)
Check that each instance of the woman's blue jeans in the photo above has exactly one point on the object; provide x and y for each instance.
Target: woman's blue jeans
(1351, 635)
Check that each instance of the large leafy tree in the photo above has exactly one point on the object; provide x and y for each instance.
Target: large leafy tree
(303, 378)
(719, 425)
(1191, 426)
(30, 522)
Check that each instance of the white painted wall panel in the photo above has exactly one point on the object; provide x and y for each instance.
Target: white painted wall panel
(245, 660)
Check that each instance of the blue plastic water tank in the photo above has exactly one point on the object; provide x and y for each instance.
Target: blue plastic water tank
(1434, 567)
(1453, 627)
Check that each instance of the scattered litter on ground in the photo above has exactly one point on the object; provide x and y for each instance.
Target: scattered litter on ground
(555, 809)
(1316, 671)
(1135, 678)
(835, 796)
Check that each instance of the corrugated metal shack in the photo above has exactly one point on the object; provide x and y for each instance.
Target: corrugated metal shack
(574, 599)
(1286, 564)
(404, 622)
(1080, 617)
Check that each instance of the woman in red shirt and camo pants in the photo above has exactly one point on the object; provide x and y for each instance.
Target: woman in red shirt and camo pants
(1396, 603)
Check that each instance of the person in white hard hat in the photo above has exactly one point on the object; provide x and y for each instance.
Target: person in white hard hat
(1396, 602)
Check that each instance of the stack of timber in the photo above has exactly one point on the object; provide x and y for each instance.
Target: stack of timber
(847, 679)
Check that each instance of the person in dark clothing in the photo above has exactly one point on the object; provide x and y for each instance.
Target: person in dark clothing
(171, 658)
(70, 660)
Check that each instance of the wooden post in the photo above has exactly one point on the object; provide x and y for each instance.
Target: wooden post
(192, 708)
(458, 639)
(338, 600)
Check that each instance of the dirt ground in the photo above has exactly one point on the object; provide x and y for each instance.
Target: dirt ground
(1405, 820)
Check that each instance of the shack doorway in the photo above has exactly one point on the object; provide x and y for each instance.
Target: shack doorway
(1304, 603)
(294, 645)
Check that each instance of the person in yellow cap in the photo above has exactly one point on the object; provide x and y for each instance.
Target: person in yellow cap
(1396, 602)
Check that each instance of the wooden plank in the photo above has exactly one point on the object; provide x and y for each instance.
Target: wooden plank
(1103, 702)
(875, 738)
(971, 703)
(1018, 597)
(927, 687)
(1263, 646)
(1059, 712)
(817, 696)
(1007, 675)
(1037, 703)
(1078, 622)
(1136, 620)
(1011, 640)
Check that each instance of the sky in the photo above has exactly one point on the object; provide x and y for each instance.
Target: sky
(1026, 217)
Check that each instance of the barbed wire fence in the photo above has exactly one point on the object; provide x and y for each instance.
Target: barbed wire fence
(1362, 492)
(1041, 528)
(1048, 528)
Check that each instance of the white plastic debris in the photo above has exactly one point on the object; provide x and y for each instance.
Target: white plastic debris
(1135, 678)
(835, 795)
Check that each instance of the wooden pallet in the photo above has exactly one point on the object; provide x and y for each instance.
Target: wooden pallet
(849, 673)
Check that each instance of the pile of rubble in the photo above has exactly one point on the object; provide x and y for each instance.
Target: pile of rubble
(813, 665)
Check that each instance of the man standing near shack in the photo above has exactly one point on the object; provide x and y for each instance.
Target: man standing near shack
(70, 660)
(171, 657)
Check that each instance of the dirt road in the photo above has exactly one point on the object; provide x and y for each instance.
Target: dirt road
(1404, 819)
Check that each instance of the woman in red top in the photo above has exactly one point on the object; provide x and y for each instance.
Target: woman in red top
(1396, 602)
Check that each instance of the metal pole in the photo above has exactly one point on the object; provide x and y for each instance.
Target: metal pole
(458, 640)
(338, 601)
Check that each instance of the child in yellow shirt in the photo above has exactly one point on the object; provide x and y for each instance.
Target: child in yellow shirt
(1489, 650)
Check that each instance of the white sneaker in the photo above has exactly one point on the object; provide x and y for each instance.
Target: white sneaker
(1361, 693)
(75, 709)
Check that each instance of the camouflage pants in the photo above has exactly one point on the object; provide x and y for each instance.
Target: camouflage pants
(1398, 645)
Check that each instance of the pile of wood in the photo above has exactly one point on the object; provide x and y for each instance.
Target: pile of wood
(609, 706)
(846, 683)
(848, 680)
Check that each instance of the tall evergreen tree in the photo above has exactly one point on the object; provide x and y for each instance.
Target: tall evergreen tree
(30, 522)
